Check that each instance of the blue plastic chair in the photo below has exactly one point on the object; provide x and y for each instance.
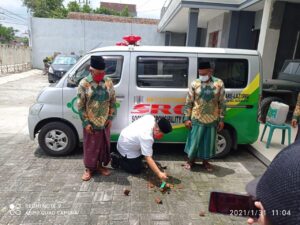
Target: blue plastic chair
(272, 127)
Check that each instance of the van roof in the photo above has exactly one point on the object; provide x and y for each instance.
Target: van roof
(175, 49)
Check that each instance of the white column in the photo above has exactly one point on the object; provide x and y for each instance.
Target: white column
(268, 41)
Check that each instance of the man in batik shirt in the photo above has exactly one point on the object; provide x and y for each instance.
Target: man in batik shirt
(203, 116)
(97, 107)
(296, 118)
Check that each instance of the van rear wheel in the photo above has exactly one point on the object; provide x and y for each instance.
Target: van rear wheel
(224, 143)
(57, 139)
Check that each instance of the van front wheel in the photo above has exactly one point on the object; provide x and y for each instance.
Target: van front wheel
(224, 143)
(57, 139)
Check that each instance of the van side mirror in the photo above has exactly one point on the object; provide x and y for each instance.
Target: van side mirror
(71, 84)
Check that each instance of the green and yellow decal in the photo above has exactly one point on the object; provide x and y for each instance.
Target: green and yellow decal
(241, 115)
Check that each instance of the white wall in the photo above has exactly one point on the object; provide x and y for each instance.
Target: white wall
(11, 55)
(14, 58)
(268, 41)
(220, 23)
(225, 30)
(81, 36)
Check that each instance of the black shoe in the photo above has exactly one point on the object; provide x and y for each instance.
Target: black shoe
(115, 160)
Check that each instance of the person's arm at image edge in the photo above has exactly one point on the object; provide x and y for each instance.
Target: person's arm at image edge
(151, 163)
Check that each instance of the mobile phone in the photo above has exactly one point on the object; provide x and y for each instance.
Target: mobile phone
(233, 204)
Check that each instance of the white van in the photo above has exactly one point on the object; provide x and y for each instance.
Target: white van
(152, 80)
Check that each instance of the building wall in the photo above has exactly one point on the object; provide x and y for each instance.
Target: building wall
(225, 30)
(216, 24)
(288, 36)
(258, 18)
(14, 59)
(241, 30)
(11, 55)
(81, 36)
(201, 37)
(175, 39)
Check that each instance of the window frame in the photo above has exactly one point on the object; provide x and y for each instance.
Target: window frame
(118, 70)
(214, 58)
(161, 58)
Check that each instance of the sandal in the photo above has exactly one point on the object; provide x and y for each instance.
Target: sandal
(187, 166)
(208, 166)
(104, 171)
(87, 175)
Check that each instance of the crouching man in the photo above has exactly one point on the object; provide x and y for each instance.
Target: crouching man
(135, 143)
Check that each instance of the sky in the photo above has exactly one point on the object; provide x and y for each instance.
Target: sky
(19, 18)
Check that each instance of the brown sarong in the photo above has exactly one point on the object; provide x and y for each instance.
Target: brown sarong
(96, 148)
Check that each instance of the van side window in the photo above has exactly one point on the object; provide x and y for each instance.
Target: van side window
(113, 69)
(166, 72)
(233, 72)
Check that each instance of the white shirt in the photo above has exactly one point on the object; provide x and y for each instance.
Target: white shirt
(137, 139)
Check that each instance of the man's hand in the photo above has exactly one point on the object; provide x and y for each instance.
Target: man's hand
(294, 123)
(108, 124)
(262, 220)
(89, 129)
(151, 163)
(220, 126)
(188, 124)
(163, 176)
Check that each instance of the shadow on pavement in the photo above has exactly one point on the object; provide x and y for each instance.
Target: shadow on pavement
(77, 154)
(218, 171)
(175, 152)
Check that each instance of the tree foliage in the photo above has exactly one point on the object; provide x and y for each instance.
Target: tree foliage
(125, 12)
(73, 6)
(106, 11)
(25, 40)
(46, 8)
(7, 34)
(56, 9)
(86, 9)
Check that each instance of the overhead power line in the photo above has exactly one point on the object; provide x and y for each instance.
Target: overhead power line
(13, 13)
(23, 24)
(13, 18)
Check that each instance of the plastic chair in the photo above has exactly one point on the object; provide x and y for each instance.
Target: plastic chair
(272, 127)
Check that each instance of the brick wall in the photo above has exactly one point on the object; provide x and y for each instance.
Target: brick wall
(109, 18)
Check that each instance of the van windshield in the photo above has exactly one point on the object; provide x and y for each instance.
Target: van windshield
(64, 60)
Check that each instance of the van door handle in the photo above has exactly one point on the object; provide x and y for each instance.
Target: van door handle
(120, 97)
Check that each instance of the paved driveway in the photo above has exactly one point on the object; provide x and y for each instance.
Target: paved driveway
(39, 189)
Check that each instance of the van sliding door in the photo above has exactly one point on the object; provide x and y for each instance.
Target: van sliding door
(158, 86)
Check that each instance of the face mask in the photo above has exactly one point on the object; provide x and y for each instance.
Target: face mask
(204, 78)
(98, 77)
(158, 136)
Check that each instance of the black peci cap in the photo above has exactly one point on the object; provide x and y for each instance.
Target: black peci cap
(204, 65)
(164, 125)
(97, 62)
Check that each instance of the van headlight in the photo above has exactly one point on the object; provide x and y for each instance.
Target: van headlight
(51, 70)
(36, 108)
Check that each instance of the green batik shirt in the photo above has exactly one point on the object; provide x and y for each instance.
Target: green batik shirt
(96, 102)
(205, 102)
(296, 114)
